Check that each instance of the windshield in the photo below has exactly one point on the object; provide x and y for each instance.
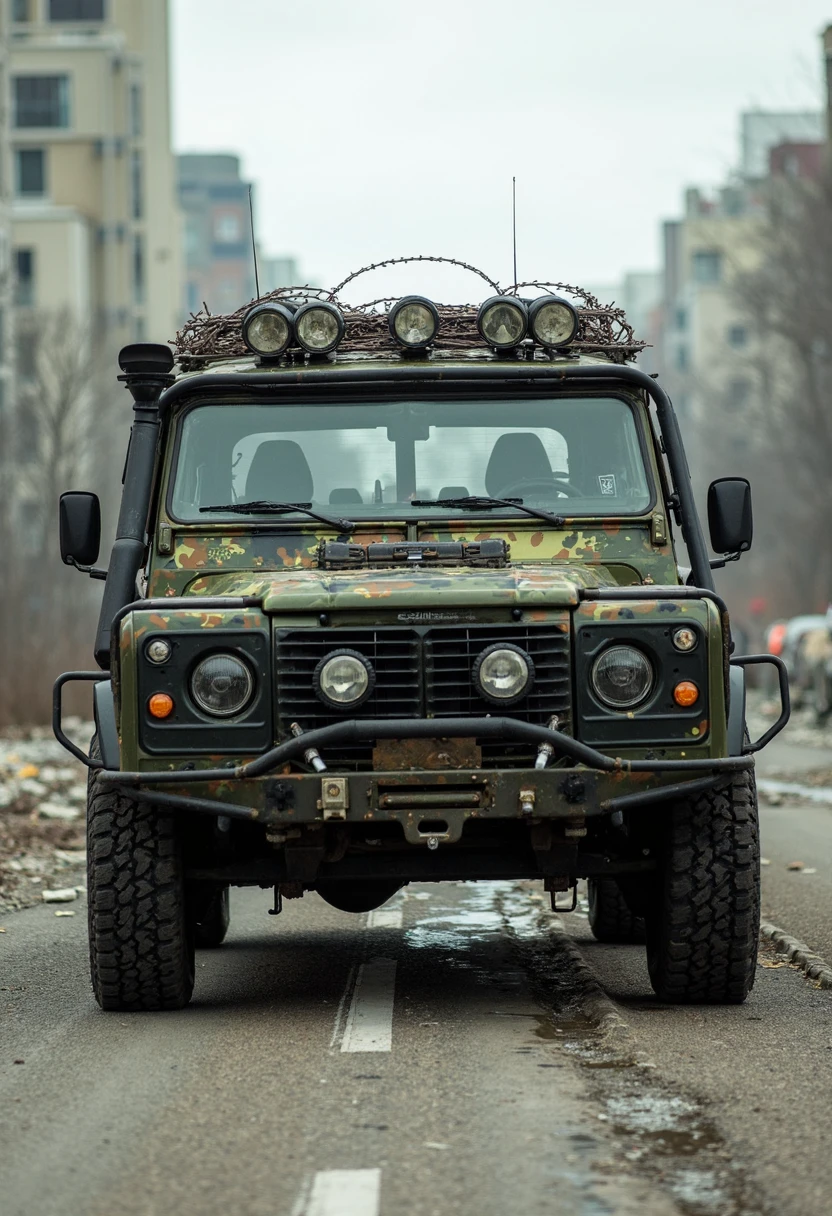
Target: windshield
(576, 455)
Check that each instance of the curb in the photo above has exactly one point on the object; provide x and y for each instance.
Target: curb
(596, 1006)
(798, 952)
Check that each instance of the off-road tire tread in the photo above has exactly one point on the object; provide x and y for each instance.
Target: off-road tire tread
(703, 935)
(610, 919)
(141, 952)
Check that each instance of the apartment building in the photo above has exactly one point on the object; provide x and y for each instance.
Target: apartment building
(705, 348)
(219, 266)
(96, 224)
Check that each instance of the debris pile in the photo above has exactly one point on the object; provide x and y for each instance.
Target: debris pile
(42, 808)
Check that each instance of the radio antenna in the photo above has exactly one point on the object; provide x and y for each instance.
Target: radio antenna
(254, 243)
(514, 222)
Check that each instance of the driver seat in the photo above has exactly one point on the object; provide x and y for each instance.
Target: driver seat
(279, 470)
(516, 457)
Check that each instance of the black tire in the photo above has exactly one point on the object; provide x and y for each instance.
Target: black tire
(211, 919)
(141, 946)
(610, 919)
(703, 928)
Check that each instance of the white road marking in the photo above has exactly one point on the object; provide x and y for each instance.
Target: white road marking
(343, 1193)
(370, 1019)
(340, 1011)
(385, 918)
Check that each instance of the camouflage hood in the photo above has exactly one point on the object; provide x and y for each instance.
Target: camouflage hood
(423, 589)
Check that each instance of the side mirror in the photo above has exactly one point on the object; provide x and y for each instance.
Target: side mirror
(80, 520)
(729, 515)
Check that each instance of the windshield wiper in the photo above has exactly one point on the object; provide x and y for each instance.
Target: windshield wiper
(264, 506)
(476, 502)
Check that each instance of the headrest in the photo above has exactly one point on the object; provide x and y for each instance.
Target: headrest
(345, 494)
(516, 457)
(454, 492)
(279, 471)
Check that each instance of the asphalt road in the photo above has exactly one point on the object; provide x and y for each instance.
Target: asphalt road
(432, 1058)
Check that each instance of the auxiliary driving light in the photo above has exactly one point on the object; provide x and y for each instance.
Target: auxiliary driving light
(267, 329)
(503, 674)
(502, 321)
(553, 322)
(222, 685)
(343, 679)
(319, 327)
(622, 677)
(414, 321)
(684, 638)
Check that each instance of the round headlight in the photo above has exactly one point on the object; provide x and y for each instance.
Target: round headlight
(158, 650)
(267, 329)
(502, 321)
(414, 321)
(344, 678)
(319, 327)
(552, 321)
(622, 677)
(222, 685)
(503, 674)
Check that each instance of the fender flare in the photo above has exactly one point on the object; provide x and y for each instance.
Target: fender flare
(105, 724)
(736, 711)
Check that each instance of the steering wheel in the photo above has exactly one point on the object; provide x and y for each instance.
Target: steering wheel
(541, 483)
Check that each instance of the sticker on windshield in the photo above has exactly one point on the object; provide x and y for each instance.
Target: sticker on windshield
(607, 483)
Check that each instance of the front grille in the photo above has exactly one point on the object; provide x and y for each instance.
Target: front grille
(449, 660)
(423, 672)
(394, 654)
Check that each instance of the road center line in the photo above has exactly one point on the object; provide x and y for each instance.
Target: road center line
(370, 1019)
(385, 918)
(343, 1193)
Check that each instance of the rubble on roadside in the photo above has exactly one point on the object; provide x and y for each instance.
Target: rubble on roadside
(42, 814)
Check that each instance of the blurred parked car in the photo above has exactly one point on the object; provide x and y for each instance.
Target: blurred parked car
(801, 652)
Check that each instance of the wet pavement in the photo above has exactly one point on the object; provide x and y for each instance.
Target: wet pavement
(433, 1057)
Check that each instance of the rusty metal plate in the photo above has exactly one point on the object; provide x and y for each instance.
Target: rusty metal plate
(402, 755)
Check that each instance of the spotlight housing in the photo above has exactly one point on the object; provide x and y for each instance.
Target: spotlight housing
(553, 321)
(502, 322)
(414, 322)
(319, 327)
(268, 329)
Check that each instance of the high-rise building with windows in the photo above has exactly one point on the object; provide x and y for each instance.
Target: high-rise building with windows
(219, 264)
(96, 224)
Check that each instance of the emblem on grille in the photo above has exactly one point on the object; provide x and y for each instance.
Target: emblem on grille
(423, 618)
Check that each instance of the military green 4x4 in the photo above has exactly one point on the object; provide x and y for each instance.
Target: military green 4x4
(394, 597)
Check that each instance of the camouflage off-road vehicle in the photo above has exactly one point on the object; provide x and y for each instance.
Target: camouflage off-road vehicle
(394, 597)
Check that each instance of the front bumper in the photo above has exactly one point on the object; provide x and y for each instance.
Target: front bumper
(427, 803)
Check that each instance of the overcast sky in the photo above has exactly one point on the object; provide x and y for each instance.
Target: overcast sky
(375, 128)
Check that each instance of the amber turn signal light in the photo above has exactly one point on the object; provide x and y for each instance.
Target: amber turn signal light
(686, 694)
(160, 705)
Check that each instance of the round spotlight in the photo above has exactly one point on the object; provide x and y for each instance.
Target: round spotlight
(319, 327)
(502, 321)
(503, 674)
(267, 329)
(622, 677)
(414, 321)
(222, 685)
(343, 679)
(553, 322)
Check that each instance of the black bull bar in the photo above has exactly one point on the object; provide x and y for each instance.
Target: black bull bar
(705, 771)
